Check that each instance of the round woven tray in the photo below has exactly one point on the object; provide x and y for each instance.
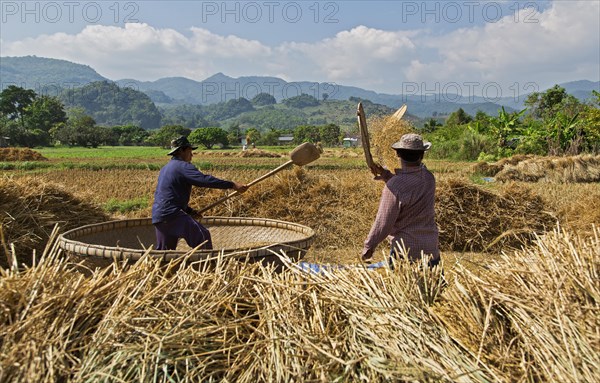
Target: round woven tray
(253, 239)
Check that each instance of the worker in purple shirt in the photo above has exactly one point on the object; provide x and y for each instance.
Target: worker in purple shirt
(171, 216)
(406, 214)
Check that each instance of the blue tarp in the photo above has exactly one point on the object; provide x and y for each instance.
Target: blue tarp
(316, 268)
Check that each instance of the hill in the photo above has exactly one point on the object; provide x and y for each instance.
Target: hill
(111, 105)
(40, 73)
(272, 117)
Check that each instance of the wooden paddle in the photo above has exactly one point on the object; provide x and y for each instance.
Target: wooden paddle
(301, 155)
(364, 135)
(400, 112)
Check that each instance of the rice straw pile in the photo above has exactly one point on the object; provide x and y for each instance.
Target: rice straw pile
(20, 154)
(234, 322)
(491, 169)
(321, 203)
(471, 218)
(535, 314)
(533, 317)
(258, 153)
(30, 209)
(583, 168)
(384, 132)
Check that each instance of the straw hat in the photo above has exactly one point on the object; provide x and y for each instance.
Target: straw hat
(412, 141)
(180, 143)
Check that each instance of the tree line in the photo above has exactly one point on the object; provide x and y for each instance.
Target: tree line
(28, 119)
(553, 123)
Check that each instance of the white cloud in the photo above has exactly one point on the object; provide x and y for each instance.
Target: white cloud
(554, 46)
(142, 52)
(359, 55)
(561, 43)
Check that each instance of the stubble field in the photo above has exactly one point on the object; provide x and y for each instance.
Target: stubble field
(521, 262)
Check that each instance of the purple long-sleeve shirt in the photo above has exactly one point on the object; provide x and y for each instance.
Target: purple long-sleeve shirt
(174, 188)
(406, 213)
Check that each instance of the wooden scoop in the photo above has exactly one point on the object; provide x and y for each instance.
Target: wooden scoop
(302, 155)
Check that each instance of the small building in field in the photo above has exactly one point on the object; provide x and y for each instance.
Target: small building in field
(285, 140)
(4, 142)
(350, 142)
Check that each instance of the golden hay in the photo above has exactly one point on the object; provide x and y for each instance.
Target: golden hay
(582, 168)
(384, 132)
(492, 169)
(576, 211)
(471, 218)
(20, 154)
(30, 210)
(258, 153)
(532, 318)
(534, 313)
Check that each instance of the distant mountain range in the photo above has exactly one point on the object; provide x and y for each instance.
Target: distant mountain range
(45, 75)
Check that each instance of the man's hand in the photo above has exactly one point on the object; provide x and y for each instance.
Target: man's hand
(380, 172)
(195, 214)
(367, 256)
(240, 188)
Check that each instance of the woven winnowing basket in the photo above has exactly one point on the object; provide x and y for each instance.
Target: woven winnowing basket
(253, 239)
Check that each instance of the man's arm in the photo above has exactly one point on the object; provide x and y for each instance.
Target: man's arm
(389, 209)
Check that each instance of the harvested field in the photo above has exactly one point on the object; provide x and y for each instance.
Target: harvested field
(470, 217)
(523, 307)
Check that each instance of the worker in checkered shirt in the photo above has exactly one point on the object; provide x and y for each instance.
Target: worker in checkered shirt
(406, 214)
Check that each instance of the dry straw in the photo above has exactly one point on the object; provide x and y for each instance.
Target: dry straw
(533, 317)
(534, 314)
(385, 131)
(570, 169)
(30, 209)
(20, 154)
(474, 219)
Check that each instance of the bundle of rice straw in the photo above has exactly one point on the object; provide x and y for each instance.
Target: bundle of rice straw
(582, 168)
(258, 153)
(491, 169)
(30, 210)
(384, 132)
(471, 218)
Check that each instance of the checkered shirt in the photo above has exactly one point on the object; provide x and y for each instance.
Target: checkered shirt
(406, 214)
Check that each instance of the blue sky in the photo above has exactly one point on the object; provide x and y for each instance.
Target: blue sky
(473, 47)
